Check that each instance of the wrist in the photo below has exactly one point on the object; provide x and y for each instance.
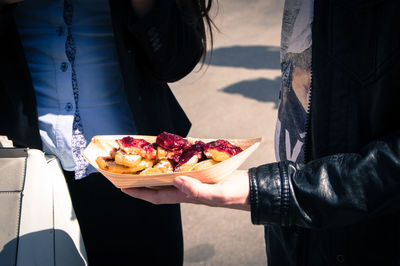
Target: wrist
(237, 186)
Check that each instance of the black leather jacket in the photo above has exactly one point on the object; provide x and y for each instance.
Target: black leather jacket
(343, 206)
(162, 47)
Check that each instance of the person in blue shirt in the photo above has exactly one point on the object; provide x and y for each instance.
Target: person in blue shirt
(73, 69)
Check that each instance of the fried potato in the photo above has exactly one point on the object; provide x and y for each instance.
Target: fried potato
(151, 171)
(109, 164)
(188, 165)
(165, 166)
(129, 160)
(204, 164)
(144, 163)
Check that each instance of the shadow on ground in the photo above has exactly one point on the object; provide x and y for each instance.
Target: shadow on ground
(252, 57)
(263, 90)
(45, 247)
(200, 253)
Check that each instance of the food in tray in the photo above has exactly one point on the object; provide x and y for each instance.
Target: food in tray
(138, 147)
(172, 142)
(204, 164)
(170, 146)
(165, 166)
(150, 171)
(129, 160)
(190, 157)
(220, 150)
(108, 163)
(169, 153)
(144, 164)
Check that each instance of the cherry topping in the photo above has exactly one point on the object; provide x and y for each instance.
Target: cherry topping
(223, 146)
(194, 150)
(129, 142)
(171, 141)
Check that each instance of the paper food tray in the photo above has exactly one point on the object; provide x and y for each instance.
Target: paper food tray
(102, 145)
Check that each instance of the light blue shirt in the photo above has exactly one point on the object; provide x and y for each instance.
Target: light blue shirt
(102, 101)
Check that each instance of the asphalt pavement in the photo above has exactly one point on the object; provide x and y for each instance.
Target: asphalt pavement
(235, 95)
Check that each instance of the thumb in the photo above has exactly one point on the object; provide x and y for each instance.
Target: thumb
(188, 185)
(197, 191)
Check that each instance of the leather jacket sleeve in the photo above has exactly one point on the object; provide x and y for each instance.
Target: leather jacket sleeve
(165, 40)
(329, 192)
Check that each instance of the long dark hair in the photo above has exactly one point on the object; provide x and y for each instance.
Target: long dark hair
(199, 11)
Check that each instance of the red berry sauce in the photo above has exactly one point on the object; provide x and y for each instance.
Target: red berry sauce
(129, 142)
(223, 146)
(171, 141)
(194, 150)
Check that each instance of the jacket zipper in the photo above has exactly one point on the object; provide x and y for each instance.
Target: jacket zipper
(301, 252)
(307, 141)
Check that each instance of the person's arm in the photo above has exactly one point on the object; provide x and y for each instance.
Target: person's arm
(333, 191)
(329, 192)
(232, 192)
(165, 41)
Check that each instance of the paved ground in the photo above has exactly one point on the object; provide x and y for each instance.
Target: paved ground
(234, 97)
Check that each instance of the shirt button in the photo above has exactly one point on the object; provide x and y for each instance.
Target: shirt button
(60, 31)
(68, 107)
(340, 258)
(64, 66)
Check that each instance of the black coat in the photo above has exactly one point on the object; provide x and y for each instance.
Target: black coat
(343, 206)
(159, 48)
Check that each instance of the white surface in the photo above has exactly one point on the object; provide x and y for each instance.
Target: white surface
(49, 231)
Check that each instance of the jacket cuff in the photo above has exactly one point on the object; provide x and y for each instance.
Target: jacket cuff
(269, 194)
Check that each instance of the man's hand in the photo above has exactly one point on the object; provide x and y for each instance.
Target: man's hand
(142, 7)
(233, 192)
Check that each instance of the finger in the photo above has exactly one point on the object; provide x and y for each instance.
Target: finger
(209, 194)
(160, 196)
(187, 185)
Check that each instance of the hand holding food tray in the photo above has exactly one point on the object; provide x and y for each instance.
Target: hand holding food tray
(146, 161)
